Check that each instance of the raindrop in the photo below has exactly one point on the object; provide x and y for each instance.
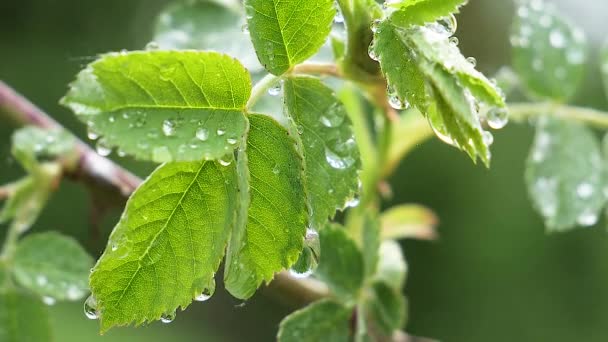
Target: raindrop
(103, 148)
(91, 134)
(336, 161)
(90, 308)
(454, 41)
(245, 28)
(584, 190)
(275, 90)
(225, 160)
(587, 218)
(498, 118)
(168, 317)
(169, 127)
(375, 26)
(151, 46)
(334, 116)
(488, 138)
(353, 202)
(231, 141)
(207, 292)
(557, 39)
(300, 275)
(49, 300)
(472, 61)
(202, 134)
(339, 18)
(449, 25)
(396, 102)
(220, 131)
(371, 51)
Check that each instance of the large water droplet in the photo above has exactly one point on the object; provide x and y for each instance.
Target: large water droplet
(449, 25)
(375, 25)
(207, 292)
(103, 148)
(168, 317)
(498, 117)
(90, 308)
(488, 138)
(337, 162)
(226, 160)
(169, 127)
(353, 202)
(202, 134)
(339, 18)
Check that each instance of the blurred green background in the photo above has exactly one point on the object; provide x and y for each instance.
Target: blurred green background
(493, 276)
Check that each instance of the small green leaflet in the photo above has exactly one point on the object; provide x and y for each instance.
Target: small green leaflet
(166, 248)
(164, 105)
(270, 231)
(341, 265)
(420, 12)
(409, 221)
(33, 145)
(285, 33)
(325, 137)
(564, 174)
(23, 318)
(205, 25)
(321, 321)
(41, 268)
(549, 53)
(387, 308)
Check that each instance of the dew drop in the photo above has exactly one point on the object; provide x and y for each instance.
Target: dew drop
(220, 132)
(207, 292)
(587, 218)
(449, 25)
(202, 134)
(231, 141)
(90, 308)
(169, 127)
(49, 300)
(103, 148)
(454, 41)
(557, 39)
(151, 46)
(339, 18)
(245, 29)
(371, 51)
(91, 134)
(353, 202)
(375, 27)
(275, 90)
(488, 138)
(226, 160)
(168, 317)
(337, 162)
(584, 190)
(498, 118)
(472, 61)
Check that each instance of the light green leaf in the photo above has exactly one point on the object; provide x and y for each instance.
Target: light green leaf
(321, 321)
(549, 52)
(371, 244)
(420, 12)
(409, 221)
(206, 25)
(341, 265)
(387, 308)
(392, 268)
(272, 221)
(52, 265)
(325, 138)
(23, 318)
(164, 105)
(168, 244)
(286, 33)
(33, 145)
(564, 174)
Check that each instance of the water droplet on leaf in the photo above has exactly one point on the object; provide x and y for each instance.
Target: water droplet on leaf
(168, 317)
(90, 308)
(103, 148)
(498, 117)
(202, 134)
(169, 127)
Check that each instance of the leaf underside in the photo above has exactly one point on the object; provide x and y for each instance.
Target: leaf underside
(321, 321)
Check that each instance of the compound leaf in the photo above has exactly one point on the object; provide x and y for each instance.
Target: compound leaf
(52, 265)
(565, 196)
(341, 265)
(420, 12)
(23, 318)
(205, 25)
(168, 244)
(285, 33)
(549, 52)
(164, 105)
(321, 321)
(325, 136)
(270, 230)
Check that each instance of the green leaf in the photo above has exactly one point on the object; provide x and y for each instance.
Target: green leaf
(420, 12)
(325, 137)
(205, 25)
(52, 265)
(341, 265)
(564, 174)
(549, 52)
(286, 33)
(604, 66)
(168, 244)
(409, 221)
(321, 321)
(33, 145)
(392, 268)
(272, 220)
(387, 308)
(164, 105)
(23, 318)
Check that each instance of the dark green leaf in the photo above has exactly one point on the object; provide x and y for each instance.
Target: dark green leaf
(272, 215)
(319, 322)
(325, 137)
(206, 25)
(549, 52)
(420, 12)
(387, 308)
(52, 265)
(564, 174)
(168, 244)
(164, 105)
(285, 33)
(341, 265)
(23, 318)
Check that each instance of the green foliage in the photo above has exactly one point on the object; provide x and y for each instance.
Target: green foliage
(549, 53)
(321, 321)
(566, 196)
(392, 268)
(387, 307)
(420, 12)
(39, 267)
(164, 105)
(286, 33)
(23, 318)
(408, 221)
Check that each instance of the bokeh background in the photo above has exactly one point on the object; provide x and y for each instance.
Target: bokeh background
(494, 275)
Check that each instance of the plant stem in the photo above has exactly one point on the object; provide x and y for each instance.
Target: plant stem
(522, 111)
(328, 69)
(261, 88)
